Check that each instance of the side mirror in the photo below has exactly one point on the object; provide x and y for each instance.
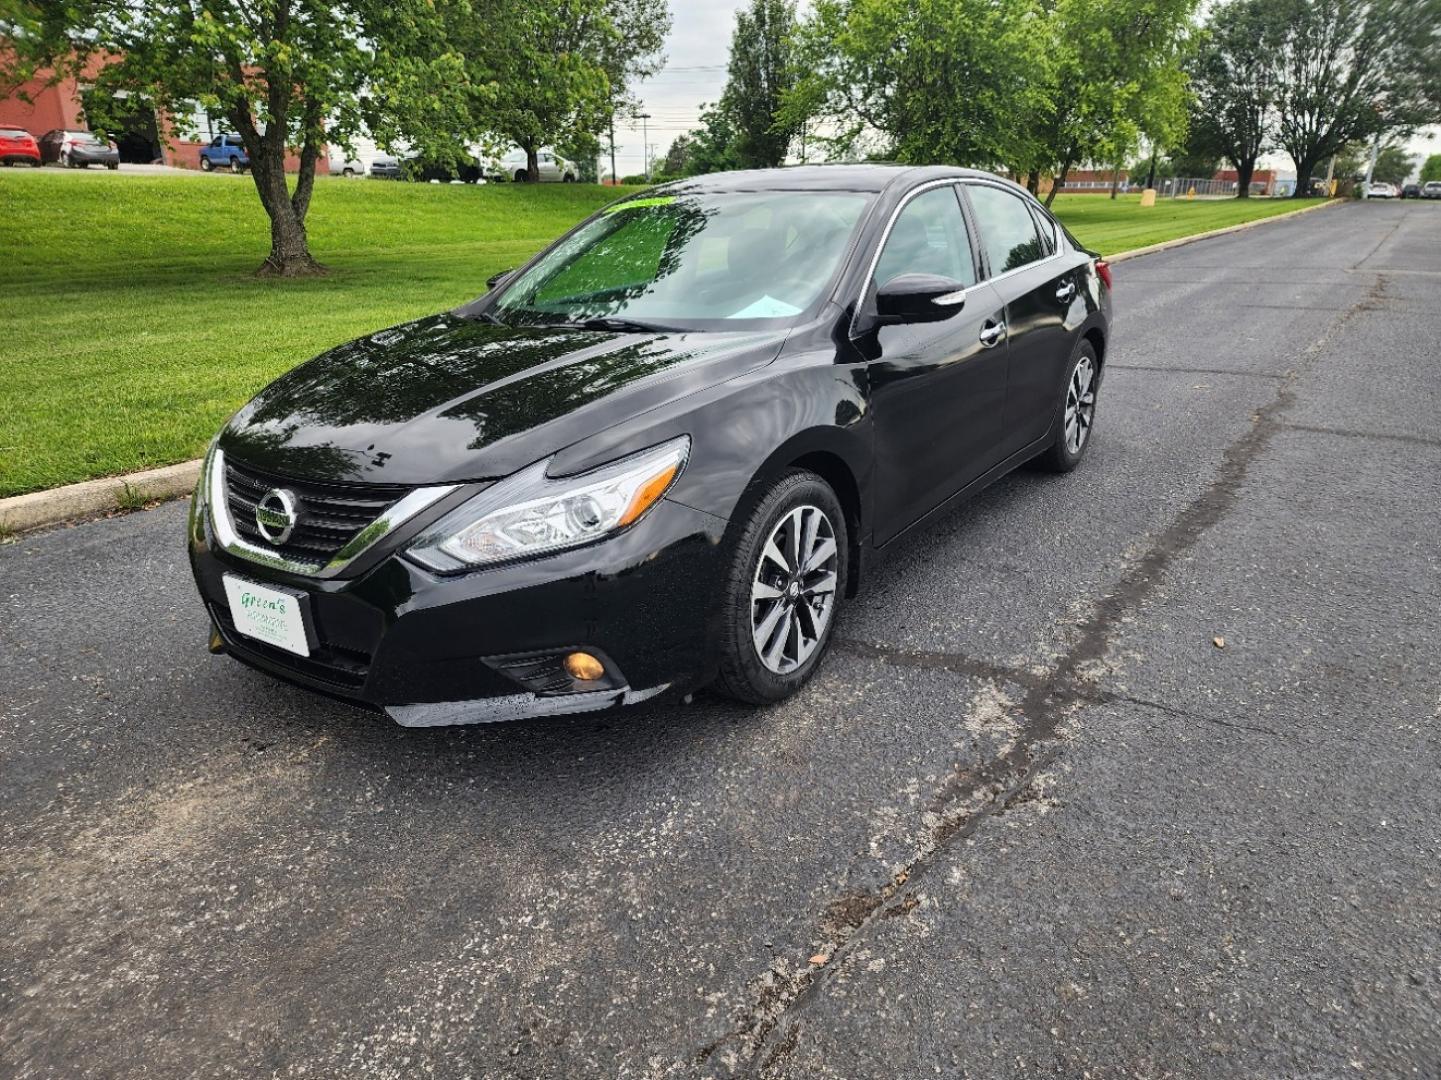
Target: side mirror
(497, 279)
(915, 298)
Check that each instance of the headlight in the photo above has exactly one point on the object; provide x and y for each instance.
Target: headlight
(530, 514)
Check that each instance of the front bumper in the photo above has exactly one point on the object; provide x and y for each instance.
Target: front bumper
(431, 650)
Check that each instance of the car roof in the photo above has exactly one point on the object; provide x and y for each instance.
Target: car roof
(841, 176)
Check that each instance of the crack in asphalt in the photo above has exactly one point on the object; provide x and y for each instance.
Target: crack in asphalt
(970, 796)
(1347, 433)
(1197, 371)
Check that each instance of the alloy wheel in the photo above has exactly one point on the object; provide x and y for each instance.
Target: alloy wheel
(1080, 404)
(793, 590)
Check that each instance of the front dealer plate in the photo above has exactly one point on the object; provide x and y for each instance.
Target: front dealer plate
(269, 615)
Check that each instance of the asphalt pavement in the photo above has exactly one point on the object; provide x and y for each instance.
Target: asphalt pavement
(1129, 773)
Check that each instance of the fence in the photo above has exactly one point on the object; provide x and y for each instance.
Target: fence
(1180, 187)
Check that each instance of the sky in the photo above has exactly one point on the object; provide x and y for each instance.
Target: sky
(694, 73)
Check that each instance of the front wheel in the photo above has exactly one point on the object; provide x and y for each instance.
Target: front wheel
(783, 591)
(1076, 415)
(206, 164)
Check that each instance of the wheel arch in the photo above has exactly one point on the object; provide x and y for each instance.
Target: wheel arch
(833, 454)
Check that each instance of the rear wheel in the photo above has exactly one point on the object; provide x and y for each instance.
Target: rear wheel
(783, 591)
(1076, 414)
(521, 176)
(235, 165)
(112, 165)
(347, 172)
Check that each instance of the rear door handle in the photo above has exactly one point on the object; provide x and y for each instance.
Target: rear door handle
(1066, 292)
(992, 333)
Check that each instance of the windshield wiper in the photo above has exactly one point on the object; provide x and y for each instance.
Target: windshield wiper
(633, 326)
(487, 317)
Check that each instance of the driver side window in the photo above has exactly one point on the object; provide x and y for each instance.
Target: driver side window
(929, 237)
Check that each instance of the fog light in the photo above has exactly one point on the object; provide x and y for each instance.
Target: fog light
(583, 667)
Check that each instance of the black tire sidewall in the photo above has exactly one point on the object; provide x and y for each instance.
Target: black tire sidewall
(1058, 457)
(742, 674)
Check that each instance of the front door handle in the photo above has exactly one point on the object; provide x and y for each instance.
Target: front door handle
(1066, 292)
(992, 333)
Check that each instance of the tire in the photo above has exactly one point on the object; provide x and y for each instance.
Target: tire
(569, 179)
(801, 505)
(206, 165)
(113, 166)
(67, 161)
(521, 176)
(1065, 453)
(347, 173)
(235, 165)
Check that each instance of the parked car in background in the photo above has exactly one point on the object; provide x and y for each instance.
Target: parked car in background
(1381, 190)
(224, 152)
(78, 149)
(659, 455)
(553, 167)
(1411, 191)
(18, 147)
(386, 167)
(347, 167)
(467, 170)
(1431, 189)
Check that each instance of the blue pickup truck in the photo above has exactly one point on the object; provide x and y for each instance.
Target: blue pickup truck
(224, 152)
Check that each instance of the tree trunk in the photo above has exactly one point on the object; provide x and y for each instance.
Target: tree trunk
(532, 165)
(1304, 169)
(1033, 181)
(1058, 183)
(289, 248)
(1244, 171)
(1116, 180)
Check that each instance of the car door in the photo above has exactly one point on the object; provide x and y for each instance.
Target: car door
(1038, 286)
(547, 165)
(937, 389)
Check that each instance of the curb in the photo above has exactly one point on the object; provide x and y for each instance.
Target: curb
(94, 498)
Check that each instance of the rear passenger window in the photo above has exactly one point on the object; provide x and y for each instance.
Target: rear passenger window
(1008, 232)
(929, 237)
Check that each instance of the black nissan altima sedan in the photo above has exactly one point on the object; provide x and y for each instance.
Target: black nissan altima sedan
(656, 457)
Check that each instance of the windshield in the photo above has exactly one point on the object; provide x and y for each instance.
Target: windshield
(738, 260)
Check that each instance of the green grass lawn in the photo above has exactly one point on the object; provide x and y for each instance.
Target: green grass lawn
(132, 325)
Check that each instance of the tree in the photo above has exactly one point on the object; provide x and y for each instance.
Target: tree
(679, 159)
(283, 73)
(1113, 73)
(1431, 169)
(1394, 165)
(1348, 71)
(921, 81)
(551, 72)
(761, 71)
(1234, 88)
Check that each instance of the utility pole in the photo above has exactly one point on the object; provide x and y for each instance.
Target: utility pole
(613, 178)
(644, 142)
(1371, 168)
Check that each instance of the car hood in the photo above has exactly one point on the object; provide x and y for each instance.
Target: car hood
(447, 399)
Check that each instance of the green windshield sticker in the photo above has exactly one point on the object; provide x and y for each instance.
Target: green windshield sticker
(636, 204)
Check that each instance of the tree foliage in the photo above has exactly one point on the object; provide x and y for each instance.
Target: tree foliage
(1351, 70)
(554, 71)
(935, 81)
(1234, 85)
(1394, 164)
(760, 72)
(1431, 169)
(1037, 86)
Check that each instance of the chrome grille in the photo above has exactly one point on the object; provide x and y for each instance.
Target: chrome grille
(330, 514)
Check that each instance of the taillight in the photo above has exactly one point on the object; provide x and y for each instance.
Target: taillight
(1103, 269)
